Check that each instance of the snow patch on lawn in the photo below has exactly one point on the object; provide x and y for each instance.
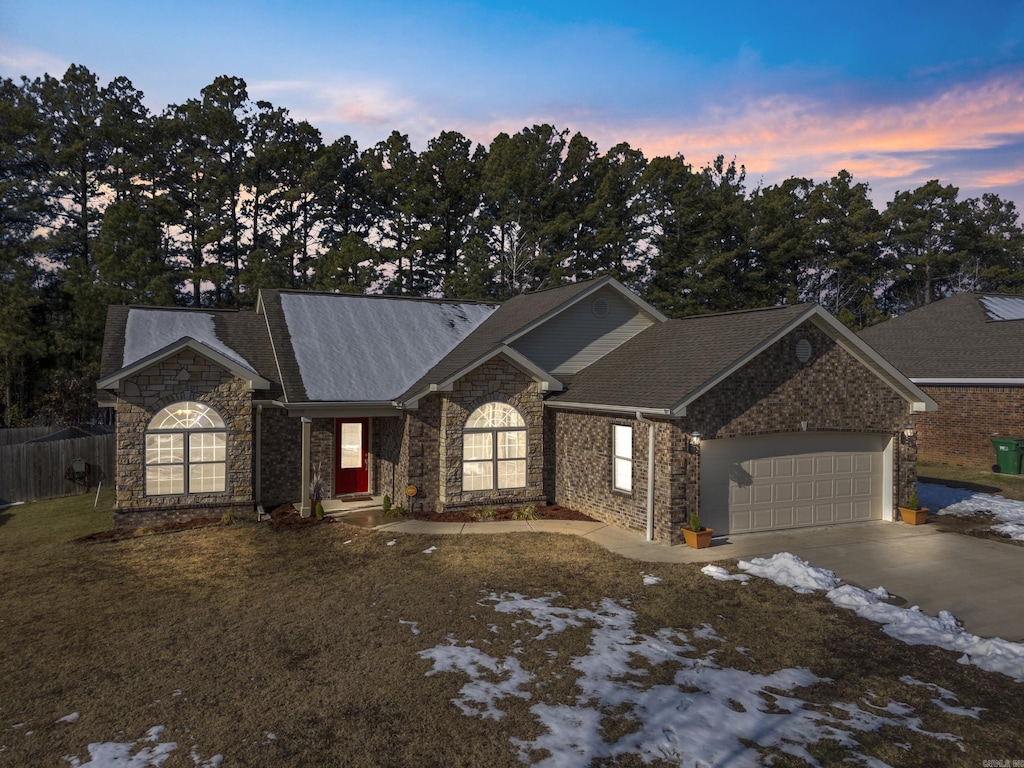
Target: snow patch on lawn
(650, 581)
(960, 502)
(719, 573)
(907, 624)
(707, 715)
(114, 754)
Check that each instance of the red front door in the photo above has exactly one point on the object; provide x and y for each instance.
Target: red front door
(351, 474)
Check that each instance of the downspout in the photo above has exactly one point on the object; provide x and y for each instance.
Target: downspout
(257, 459)
(306, 429)
(650, 474)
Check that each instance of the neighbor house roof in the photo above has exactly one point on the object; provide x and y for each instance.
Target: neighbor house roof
(334, 347)
(671, 364)
(966, 338)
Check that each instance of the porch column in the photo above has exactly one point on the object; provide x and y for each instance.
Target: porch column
(304, 505)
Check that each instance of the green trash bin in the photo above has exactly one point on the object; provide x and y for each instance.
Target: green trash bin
(1008, 454)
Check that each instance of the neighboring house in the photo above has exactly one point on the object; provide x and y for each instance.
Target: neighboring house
(967, 353)
(582, 395)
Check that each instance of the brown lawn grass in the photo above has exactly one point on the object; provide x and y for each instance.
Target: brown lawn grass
(1009, 486)
(226, 634)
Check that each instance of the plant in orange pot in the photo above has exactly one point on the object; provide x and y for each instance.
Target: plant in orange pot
(914, 513)
(695, 534)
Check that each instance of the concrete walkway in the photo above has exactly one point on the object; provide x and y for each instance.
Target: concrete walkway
(980, 582)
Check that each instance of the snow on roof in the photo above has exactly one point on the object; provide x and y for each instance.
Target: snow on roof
(149, 330)
(362, 348)
(1003, 307)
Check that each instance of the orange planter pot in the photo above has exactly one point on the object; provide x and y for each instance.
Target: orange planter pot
(698, 539)
(914, 516)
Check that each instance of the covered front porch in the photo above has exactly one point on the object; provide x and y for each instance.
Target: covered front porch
(345, 455)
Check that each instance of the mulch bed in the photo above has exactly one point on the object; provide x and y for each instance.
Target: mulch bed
(116, 534)
(285, 517)
(549, 512)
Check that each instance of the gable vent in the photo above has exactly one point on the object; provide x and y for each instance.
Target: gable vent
(803, 350)
(599, 307)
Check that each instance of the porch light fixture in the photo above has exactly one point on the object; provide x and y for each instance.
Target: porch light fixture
(695, 442)
(908, 431)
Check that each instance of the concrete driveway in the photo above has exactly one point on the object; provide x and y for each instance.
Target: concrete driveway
(980, 582)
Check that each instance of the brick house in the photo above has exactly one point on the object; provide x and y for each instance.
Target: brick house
(582, 395)
(964, 351)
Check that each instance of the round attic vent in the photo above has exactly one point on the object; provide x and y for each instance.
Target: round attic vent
(803, 350)
(599, 307)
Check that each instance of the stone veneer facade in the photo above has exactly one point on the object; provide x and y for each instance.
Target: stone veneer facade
(961, 431)
(184, 376)
(423, 447)
(772, 394)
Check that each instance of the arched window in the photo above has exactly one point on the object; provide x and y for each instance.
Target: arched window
(494, 449)
(186, 450)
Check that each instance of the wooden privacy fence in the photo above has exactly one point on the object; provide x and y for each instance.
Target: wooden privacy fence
(39, 470)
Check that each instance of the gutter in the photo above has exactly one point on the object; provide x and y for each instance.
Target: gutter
(631, 410)
(650, 474)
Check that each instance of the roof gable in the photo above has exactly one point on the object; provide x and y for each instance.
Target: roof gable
(244, 372)
(670, 365)
(136, 337)
(513, 320)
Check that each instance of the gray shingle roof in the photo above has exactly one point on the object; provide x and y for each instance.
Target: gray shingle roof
(952, 338)
(663, 365)
(358, 348)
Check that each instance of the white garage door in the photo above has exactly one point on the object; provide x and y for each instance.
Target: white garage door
(791, 480)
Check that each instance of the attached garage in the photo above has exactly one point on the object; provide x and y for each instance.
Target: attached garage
(771, 482)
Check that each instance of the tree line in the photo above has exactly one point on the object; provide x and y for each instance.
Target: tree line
(205, 203)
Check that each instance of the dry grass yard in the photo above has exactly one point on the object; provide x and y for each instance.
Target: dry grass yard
(305, 647)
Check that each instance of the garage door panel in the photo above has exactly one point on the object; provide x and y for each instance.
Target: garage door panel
(791, 480)
(784, 467)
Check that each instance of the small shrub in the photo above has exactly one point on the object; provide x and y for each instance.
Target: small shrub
(528, 512)
(913, 502)
(482, 515)
(695, 522)
(319, 510)
(393, 510)
(228, 518)
(386, 504)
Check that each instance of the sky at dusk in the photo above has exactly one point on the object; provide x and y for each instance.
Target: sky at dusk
(895, 92)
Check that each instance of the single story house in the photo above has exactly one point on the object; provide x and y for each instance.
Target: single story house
(965, 352)
(582, 395)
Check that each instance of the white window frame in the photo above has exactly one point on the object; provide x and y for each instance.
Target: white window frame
(622, 458)
(497, 437)
(185, 445)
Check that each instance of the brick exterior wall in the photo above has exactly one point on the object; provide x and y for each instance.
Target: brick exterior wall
(280, 457)
(961, 431)
(184, 376)
(579, 449)
(390, 473)
(773, 393)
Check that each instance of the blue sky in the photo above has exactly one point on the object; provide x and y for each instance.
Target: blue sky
(896, 92)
